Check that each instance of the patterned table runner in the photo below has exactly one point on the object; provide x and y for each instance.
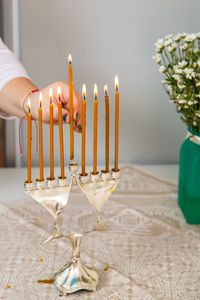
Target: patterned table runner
(149, 253)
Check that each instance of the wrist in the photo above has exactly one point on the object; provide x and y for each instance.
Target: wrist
(23, 87)
(25, 100)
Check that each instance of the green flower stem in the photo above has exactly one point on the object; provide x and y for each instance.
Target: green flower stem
(167, 57)
(179, 50)
(164, 60)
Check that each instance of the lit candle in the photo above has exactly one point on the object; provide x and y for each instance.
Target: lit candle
(95, 130)
(29, 143)
(71, 107)
(116, 122)
(61, 135)
(51, 135)
(83, 127)
(40, 138)
(106, 129)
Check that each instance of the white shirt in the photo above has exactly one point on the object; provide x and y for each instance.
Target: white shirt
(10, 68)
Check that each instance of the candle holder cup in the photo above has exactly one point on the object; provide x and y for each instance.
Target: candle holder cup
(53, 195)
(98, 188)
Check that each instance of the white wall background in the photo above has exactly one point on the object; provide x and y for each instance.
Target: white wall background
(105, 38)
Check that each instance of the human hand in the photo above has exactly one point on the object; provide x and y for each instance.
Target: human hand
(77, 107)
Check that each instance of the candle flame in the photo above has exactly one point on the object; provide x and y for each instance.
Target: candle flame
(105, 89)
(59, 92)
(116, 83)
(95, 91)
(40, 99)
(50, 94)
(69, 59)
(29, 104)
(84, 91)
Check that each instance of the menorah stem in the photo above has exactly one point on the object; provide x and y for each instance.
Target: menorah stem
(99, 217)
(99, 226)
(76, 240)
(56, 233)
(73, 167)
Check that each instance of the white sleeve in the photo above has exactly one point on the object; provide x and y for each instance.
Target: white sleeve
(10, 68)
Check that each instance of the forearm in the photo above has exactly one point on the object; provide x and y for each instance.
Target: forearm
(13, 94)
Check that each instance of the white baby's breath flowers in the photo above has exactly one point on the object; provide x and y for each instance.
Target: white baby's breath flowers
(159, 45)
(198, 114)
(172, 48)
(177, 37)
(190, 38)
(181, 86)
(178, 70)
(177, 77)
(183, 35)
(179, 62)
(170, 89)
(168, 42)
(181, 101)
(189, 73)
(191, 102)
(157, 58)
(182, 64)
(162, 69)
(184, 47)
(164, 81)
(169, 36)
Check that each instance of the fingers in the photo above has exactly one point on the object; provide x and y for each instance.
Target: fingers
(77, 105)
(78, 122)
(65, 115)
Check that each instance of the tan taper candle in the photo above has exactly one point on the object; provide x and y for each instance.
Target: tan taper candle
(71, 107)
(40, 139)
(95, 130)
(83, 127)
(116, 123)
(62, 167)
(29, 143)
(106, 129)
(51, 136)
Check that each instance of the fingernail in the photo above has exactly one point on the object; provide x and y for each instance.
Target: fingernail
(79, 127)
(75, 123)
(65, 117)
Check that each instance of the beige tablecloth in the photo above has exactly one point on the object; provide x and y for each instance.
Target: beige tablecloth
(151, 252)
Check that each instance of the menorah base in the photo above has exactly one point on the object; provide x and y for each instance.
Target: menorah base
(75, 276)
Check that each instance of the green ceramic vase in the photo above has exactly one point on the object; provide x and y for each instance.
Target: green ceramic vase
(189, 178)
